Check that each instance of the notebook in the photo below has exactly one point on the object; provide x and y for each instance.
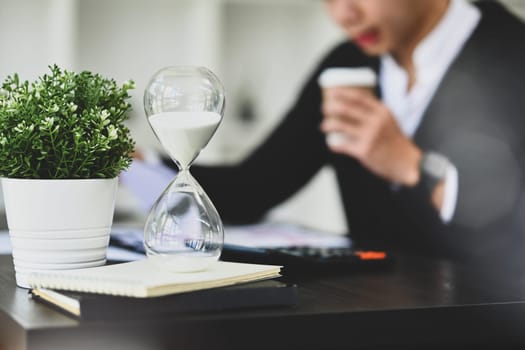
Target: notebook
(89, 306)
(143, 278)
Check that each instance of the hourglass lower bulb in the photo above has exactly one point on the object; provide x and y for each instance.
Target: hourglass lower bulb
(184, 106)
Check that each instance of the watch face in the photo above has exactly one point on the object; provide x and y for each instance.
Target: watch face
(435, 164)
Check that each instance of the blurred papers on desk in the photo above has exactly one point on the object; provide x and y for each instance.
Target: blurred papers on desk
(263, 235)
(271, 235)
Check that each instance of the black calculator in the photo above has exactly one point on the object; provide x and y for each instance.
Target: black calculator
(307, 258)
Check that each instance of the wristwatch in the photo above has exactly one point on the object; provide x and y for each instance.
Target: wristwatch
(433, 169)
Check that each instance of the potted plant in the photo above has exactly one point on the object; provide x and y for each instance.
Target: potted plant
(63, 143)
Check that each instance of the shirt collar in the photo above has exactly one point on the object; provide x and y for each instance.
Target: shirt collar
(444, 41)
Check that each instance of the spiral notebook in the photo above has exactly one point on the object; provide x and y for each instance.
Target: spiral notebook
(143, 278)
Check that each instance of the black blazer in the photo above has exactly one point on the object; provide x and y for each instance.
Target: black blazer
(475, 118)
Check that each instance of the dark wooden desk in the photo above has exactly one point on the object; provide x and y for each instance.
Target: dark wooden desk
(420, 304)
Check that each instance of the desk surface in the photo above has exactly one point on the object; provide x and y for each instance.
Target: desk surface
(420, 302)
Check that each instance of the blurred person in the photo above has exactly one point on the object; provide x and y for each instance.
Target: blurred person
(433, 160)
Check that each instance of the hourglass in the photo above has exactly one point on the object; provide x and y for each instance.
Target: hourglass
(184, 106)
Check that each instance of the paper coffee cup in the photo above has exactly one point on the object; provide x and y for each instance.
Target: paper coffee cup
(358, 77)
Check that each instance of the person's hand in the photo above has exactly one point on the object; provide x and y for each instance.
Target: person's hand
(371, 134)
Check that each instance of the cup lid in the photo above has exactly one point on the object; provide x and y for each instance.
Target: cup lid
(345, 76)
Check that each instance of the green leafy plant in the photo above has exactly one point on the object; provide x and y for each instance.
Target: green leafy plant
(65, 125)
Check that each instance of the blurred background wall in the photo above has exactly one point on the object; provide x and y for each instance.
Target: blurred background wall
(262, 50)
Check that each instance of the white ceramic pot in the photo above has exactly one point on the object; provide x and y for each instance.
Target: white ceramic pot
(58, 224)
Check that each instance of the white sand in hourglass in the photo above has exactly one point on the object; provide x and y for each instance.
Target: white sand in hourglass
(184, 134)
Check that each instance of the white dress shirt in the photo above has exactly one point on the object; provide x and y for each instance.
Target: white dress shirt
(432, 58)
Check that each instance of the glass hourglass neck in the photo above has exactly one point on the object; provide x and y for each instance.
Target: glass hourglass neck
(184, 173)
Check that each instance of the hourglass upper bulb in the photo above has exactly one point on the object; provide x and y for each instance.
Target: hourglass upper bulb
(184, 106)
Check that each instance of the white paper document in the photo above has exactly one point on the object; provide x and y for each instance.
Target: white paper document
(262, 235)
